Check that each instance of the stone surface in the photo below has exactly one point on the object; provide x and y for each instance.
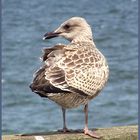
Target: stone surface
(113, 133)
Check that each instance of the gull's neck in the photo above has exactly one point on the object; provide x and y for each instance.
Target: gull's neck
(84, 36)
(81, 39)
(84, 39)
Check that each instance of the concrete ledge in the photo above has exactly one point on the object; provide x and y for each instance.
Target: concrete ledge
(113, 133)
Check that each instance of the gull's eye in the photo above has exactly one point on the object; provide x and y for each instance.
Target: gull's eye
(66, 26)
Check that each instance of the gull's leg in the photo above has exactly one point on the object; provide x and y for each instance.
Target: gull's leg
(86, 130)
(64, 121)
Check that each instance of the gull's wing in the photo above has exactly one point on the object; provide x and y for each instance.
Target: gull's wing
(51, 77)
(70, 69)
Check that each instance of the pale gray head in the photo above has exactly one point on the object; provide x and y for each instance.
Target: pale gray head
(74, 29)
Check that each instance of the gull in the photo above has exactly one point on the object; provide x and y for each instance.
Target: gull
(72, 74)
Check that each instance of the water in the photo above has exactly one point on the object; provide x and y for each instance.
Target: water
(114, 25)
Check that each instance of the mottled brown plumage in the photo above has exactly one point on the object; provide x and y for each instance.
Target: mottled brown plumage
(72, 74)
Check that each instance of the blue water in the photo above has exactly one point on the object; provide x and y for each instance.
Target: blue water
(115, 31)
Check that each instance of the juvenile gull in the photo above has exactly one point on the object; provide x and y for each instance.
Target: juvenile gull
(72, 74)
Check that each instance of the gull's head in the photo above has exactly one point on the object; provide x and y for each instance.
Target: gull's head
(74, 29)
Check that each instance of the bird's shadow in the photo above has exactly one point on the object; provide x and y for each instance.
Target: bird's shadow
(55, 132)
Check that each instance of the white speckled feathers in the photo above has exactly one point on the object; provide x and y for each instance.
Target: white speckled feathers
(76, 68)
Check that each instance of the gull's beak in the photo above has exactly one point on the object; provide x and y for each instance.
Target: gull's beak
(53, 34)
(50, 35)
